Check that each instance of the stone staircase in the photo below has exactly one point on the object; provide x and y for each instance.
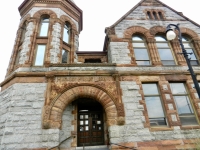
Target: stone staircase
(100, 147)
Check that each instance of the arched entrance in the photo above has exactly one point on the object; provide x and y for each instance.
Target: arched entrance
(90, 122)
(52, 113)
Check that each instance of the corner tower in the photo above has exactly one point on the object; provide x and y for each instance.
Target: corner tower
(48, 35)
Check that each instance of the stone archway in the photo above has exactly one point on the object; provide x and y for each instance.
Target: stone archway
(52, 114)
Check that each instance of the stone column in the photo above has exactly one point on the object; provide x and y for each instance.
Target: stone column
(196, 43)
(155, 58)
(177, 49)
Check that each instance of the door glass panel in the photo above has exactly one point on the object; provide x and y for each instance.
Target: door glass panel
(81, 128)
(86, 128)
(81, 116)
(86, 116)
(86, 122)
(98, 122)
(81, 122)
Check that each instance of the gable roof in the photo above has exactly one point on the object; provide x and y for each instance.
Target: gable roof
(155, 3)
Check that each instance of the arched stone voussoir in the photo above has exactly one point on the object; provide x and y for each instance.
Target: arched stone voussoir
(49, 12)
(55, 111)
(128, 33)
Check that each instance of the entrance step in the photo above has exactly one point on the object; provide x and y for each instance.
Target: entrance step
(100, 147)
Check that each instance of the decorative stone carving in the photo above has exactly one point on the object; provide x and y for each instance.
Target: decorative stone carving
(66, 89)
(174, 118)
(170, 106)
(45, 11)
(167, 96)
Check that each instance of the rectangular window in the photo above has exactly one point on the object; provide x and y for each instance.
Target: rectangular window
(66, 35)
(39, 59)
(64, 56)
(153, 104)
(166, 56)
(44, 29)
(142, 57)
(183, 105)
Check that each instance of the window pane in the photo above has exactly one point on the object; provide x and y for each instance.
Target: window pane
(138, 45)
(165, 54)
(168, 62)
(39, 60)
(160, 15)
(160, 38)
(44, 29)
(186, 45)
(143, 62)
(178, 88)
(157, 121)
(141, 54)
(188, 120)
(66, 35)
(184, 39)
(155, 16)
(137, 38)
(194, 62)
(150, 89)
(45, 19)
(193, 57)
(162, 44)
(154, 107)
(64, 56)
(183, 105)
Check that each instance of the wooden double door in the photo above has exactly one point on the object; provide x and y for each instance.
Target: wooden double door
(90, 126)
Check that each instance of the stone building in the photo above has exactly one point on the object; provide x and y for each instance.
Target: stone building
(136, 93)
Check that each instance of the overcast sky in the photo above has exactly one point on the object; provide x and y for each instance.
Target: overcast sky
(97, 14)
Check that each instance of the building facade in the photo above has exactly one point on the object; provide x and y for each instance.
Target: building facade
(137, 93)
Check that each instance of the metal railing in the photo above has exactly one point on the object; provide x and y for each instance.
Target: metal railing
(58, 146)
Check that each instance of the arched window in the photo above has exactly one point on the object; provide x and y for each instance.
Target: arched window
(160, 15)
(155, 15)
(188, 47)
(64, 56)
(164, 51)
(44, 26)
(66, 33)
(149, 15)
(140, 50)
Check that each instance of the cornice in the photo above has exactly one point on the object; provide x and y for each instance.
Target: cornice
(74, 70)
(84, 65)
